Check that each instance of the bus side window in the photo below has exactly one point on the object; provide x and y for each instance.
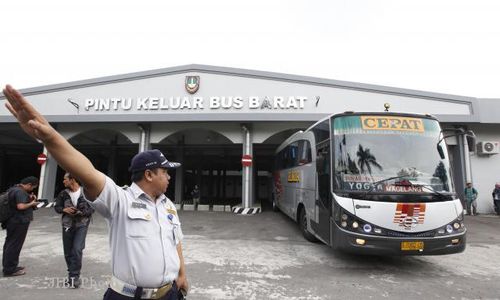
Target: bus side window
(321, 131)
(292, 155)
(304, 152)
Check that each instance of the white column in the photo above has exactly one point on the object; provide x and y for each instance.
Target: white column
(48, 173)
(144, 141)
(42, 175)
(468, 171)
(179, 176)
(247, 178)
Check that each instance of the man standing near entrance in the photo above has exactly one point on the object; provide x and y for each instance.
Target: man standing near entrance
(496, 198)
(470, 199)
(75, 219)
(24, 202)
(195, 193)
(145, 233)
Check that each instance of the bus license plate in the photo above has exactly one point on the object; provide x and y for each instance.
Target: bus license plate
(408, 246)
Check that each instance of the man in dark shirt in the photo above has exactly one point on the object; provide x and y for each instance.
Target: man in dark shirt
(24, 202)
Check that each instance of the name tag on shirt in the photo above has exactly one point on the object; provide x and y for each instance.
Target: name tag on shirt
(138, 205)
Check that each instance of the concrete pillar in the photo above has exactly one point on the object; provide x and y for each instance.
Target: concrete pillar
(145, 134)
(247, 198)
(219, 183)
(112, 160)
(199, 177)
(467, 165)
(48, 174)
(179, 176)
(463, 152)
(224, 185)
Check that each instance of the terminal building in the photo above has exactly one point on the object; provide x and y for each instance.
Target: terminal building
(209, 118)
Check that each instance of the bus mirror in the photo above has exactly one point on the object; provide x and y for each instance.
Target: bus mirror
(440, 150)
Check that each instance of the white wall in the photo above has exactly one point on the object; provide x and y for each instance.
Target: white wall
(485, 168)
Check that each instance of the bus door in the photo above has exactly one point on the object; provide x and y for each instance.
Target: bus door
(323, 196)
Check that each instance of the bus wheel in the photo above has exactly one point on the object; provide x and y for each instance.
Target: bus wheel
(303, 226)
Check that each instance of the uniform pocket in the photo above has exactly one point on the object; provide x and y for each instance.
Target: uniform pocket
(140, 224)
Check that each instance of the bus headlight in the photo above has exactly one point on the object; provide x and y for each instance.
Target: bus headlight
(352, 223)
(456, 226)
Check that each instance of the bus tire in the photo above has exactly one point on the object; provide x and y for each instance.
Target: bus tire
(303, 226)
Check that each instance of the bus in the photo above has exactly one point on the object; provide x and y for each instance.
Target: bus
(371, 183)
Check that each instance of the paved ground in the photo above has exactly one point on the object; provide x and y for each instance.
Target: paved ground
(264, 257)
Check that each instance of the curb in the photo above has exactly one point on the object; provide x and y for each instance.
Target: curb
(246, 210)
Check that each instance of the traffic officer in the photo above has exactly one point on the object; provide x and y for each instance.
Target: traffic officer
(145, 232)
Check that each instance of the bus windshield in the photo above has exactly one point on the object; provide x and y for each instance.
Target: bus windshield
(389, 154)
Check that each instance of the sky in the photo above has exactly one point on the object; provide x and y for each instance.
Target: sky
(444, 46)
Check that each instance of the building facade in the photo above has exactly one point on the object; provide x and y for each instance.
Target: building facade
(209, 117)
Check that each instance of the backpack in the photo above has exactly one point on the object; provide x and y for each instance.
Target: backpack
(6, 209)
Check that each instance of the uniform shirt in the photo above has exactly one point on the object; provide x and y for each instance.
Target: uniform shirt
(143, 235)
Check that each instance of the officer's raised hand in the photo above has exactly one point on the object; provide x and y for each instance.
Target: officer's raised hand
(70, 159)
(30, 120)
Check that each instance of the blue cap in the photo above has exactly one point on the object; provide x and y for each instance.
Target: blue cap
(151, 159)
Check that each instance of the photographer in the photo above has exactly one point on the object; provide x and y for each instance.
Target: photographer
(24, 202)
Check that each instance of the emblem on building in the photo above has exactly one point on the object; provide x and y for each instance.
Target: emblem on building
(192, 84)
(409, 215)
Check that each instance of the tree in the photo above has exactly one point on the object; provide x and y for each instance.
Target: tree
(366, 160)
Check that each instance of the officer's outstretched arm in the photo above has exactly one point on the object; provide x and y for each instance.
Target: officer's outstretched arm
(70, 159)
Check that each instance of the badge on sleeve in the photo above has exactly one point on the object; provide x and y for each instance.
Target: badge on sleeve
(171, 211)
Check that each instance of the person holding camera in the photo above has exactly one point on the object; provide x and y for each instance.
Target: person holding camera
(24, 202)
(76, 213)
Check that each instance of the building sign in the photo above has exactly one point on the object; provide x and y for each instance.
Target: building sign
(392, 123)
(195, 103)
(41, 158)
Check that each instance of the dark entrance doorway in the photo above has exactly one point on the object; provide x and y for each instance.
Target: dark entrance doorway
(18, 153)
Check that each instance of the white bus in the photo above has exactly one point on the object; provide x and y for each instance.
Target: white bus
(371, 183)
